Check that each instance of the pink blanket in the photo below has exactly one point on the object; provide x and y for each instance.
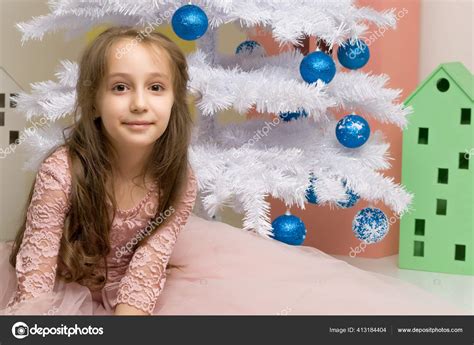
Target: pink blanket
(228, 271)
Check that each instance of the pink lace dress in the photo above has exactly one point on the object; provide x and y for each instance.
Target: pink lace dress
(134, 277)
(223, 269)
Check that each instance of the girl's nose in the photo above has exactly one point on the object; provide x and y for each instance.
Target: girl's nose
(138, 104)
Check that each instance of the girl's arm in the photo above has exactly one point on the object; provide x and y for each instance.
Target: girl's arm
(145, 276)
(36, 261)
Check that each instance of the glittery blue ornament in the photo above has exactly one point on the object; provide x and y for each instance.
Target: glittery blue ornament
(370, 225)
(353, 55)
(289, 229)
(352, 131)
(311, 196)
(250, 47)
(292, 115)
(189, 22)
(352, 197)
(317, 65)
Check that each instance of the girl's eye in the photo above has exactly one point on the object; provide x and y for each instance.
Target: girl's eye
(119, 87)
(156, 87)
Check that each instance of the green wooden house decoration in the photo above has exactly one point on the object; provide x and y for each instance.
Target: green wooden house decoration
(438, 233)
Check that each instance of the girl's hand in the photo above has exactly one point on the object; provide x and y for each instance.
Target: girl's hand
(125, 309)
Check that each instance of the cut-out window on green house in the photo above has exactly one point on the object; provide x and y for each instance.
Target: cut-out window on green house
(443, 176)
(441, 207)
(463, 161)
(465, 116)
(13, 136)
(420, 227)
(13, 103)
(419, 248)
(423, 136)
(442, 84)
(460, 252)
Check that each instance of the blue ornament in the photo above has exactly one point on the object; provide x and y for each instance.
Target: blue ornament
(317, 65)
(353, 55)
(352, 131)
(370, 225)
(250, 48)
(189, 22)
(352, 197)
(292, 115)
(289, 229)
(311, 196)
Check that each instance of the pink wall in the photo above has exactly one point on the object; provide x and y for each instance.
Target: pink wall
(396, 53)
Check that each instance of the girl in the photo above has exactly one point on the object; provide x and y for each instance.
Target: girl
(111, 208)
(130, 142)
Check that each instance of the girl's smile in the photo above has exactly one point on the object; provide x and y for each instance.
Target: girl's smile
(139, 125)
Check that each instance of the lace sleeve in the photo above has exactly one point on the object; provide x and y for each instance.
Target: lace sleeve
(36, 260)
(146, 275)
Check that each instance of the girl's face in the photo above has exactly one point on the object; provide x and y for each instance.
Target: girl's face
(136, 95)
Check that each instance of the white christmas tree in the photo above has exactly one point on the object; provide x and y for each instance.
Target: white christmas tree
(238, 165)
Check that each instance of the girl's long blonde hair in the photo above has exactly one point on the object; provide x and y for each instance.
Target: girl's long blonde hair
(85, 241)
